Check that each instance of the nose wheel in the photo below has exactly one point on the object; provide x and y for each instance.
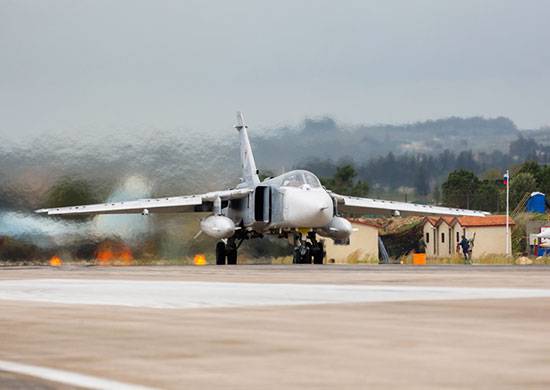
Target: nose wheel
(308, 251)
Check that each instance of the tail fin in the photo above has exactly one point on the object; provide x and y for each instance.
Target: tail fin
(250, 172)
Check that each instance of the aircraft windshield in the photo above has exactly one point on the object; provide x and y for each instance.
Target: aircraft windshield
(293, 180)
(311, 180)
(299, 179)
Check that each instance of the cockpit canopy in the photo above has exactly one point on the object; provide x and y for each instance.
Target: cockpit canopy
(297, 179)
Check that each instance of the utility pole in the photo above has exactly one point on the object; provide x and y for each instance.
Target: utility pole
(507, 182)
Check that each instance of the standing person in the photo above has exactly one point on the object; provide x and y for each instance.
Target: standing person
(465, 245)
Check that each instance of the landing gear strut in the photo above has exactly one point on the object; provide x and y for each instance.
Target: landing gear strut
(231, 252)
(227, 251)
(309, 250)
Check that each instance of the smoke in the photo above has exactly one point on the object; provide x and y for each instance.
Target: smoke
(47, 231)
(127, 227)
(44, 232)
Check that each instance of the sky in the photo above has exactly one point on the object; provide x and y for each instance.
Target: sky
(86, 68)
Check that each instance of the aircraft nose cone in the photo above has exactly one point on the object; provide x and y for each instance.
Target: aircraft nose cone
(307, 208)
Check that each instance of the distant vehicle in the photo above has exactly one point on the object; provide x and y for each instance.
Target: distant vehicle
(293, 206)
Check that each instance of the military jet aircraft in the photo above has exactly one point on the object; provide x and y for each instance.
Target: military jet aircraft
(293, 206)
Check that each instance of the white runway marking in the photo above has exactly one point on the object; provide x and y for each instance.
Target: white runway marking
(185, 295)
(66, 377)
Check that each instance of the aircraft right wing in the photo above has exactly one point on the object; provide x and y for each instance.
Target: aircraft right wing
(354, 204)
(176, 204)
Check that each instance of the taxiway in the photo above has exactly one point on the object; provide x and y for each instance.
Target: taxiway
(275, 327)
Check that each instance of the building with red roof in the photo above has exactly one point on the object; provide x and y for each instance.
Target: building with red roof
(488, 234)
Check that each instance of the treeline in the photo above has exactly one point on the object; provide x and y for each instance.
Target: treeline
(343, 182)
(425, 172)
(465, 190)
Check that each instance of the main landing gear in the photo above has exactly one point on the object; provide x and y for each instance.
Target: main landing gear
(227, 251)
(309, 250)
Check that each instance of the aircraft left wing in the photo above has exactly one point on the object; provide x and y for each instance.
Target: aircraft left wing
(175, 204)
(353, 204)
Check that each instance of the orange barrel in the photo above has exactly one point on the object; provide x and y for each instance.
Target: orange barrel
(419, 259)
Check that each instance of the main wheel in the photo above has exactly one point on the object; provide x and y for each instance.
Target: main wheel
(231, 256)
(302, 255)
(220, 253)
(296, 258)
(317, 253)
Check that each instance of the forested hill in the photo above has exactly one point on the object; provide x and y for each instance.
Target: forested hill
(286, 146)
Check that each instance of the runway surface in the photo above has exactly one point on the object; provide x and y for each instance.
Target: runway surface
(189, 295)
(275, 327)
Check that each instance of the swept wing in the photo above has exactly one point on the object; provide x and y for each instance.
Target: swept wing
(175, 204)
(351, 204)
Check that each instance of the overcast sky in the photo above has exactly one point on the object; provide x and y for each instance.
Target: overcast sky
(78, 67)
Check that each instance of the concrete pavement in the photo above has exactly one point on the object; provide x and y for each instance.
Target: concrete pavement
(321, 335)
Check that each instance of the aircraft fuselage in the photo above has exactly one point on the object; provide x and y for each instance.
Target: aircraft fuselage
(293, 200)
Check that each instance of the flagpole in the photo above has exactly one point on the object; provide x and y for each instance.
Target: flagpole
(507, 213)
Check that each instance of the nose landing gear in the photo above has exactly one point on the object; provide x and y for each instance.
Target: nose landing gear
(309, 250)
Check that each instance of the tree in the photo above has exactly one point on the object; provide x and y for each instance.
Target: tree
(320, 125)
(459, 188)
(466, 161)
(436, 194)
(421, 182)
(343, 182)
(524, 148)
(487, 196)
(531, 167)
(521, 184)
(344, 175)
(544, 180)
(360, 188)
(492, 174)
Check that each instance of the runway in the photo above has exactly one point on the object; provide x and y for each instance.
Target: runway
(275, 327)
(196, 295)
